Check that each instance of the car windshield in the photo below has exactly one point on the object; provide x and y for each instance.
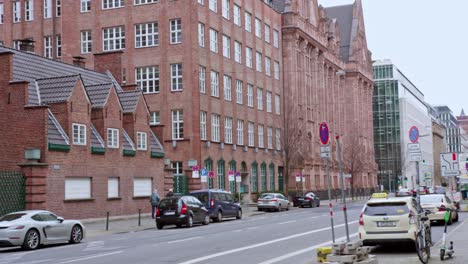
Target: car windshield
(376, 209)
(169, 203)
(267, 196)
(203, 196)
(403, 190)
(11, 217)
(432, 199)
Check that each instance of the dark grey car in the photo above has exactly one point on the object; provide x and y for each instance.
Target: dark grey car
(181, 210)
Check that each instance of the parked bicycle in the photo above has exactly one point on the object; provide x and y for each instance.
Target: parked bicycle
(444, 249)
(423, 238)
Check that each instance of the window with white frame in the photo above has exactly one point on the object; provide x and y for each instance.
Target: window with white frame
(267, 33)
(142, 141)
(248, 22)
(215, 125)
(113, 187)
(16, 11)
(258, 28)
(202, 125)
(48, 47)
(85, 6)
(228, 130)
(155, 118)
(225, 9)
(147, 79)
(276, 70)
(239, 91)
(213, 5)
(270, 137)
(142, 187)
(58, 45)
(226, 46)
(112, 138)
(260, 98)
(86, 43)
(267, 66)
(142, 2)
(47, 8)
(146, 35)
(277, 104)
(251, 134)
(268, 102)
(258, 60)
(260, 136)
(176, 77)
(201, 34)
(275, 38)
(240, 132)
(227, 88)
(248, 57)
(250, 95)
(237, 15)
(177, 124)
(79, 134)
(58, 8)
(237, 52)
(176, 31)
(201, 2)
(213, 40)
(202, 79)
(109, 4)
(28, 10)
(278, 139)
(1, 13)
(177, 167)
(77, 188)
(214, 76)
(17, 44)
(113, 38)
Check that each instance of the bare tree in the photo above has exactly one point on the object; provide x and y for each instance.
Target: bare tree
(354, 158)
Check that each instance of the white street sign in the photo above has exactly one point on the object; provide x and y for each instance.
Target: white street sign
(449, 164)
(204, 178)
(231, 177)
(415, 156)
(238, 179)
(298, 178)
(325, 152)
(195, 174)
(347, 176)
(414, 148)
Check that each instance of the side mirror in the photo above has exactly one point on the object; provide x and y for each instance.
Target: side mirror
(427, 212)
(60, 219)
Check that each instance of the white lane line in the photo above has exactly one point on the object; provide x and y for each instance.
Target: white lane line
(305, 250)
(91, 257)
(287, 222)
(315, 217)
(182, 240)
(238, 230)
(251, 228)
(260, 244)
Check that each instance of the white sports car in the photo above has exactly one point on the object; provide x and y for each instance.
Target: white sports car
(30, 229)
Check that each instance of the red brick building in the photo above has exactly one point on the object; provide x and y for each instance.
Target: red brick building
(92, 148)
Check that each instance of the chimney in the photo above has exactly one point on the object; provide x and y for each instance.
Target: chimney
(79, 61)
(109, 61)
(27, 45)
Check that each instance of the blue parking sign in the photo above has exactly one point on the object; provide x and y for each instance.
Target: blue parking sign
(204, 172)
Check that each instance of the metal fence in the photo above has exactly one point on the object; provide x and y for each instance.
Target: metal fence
(12, 192)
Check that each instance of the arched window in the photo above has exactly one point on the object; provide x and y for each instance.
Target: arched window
(232, 184)
(254, 178)
(209, 167)
(221, 173)
(271, 173)
(263, 177)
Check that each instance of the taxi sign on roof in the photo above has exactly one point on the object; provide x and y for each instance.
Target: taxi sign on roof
(379, 195)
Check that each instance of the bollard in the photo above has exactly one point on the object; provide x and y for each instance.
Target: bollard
(139, 217)
(107, 221)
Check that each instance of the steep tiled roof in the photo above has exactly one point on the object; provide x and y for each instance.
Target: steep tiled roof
(344, 15)
(155, 145)
(56, 89)
(96, 139)
(98, 94)
(129, 100)
(55, 133)
(127, 143)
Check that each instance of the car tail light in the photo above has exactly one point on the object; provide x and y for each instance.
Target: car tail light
(183, 210)
(212, 202)
(308, 198)
(361, 219)
(158, 213)
(19, 227)
(412, 217)
(274, 200)
(441, 208)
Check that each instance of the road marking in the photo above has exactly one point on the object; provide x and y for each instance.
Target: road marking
(92, 256)
(437, 244)
(182, 240)
(315, 217)
(260, 244)
(238, 230)
(287, 222)
(251, 228)
(305, 250)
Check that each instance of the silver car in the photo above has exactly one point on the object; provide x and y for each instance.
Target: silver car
(30, 229)
(272, 201)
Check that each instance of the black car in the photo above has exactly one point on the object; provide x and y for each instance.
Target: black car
(309, 200)
(181, 210)
(219, 203)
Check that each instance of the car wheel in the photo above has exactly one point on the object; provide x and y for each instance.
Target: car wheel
(160, 226)
(189, 222)
(76, 234)
(287, 208)
(279, 208)
(260, 209)
(31, 240)
(456, 217)
(318, 204)
(219, 217)
(302, 206)
(450, 222)
(239, 214)
(312, 204)
(178, 225)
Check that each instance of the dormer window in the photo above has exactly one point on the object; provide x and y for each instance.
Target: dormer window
(79, 134)
(141, 141)
(112, 138)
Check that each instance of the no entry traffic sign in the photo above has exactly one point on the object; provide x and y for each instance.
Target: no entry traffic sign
(414, 134)
(324, 133)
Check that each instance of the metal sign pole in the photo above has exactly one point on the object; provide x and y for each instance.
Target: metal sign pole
(330, 200)
(418, 200)
(343, 194)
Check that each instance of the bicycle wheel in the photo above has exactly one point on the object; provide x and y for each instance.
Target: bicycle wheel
(442, 254)
(422, 249)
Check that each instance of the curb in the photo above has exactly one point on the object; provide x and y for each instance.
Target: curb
(113, 218)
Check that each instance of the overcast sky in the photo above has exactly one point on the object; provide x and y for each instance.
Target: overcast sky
(426, 39)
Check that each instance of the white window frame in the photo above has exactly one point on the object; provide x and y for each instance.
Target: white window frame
(58, 46)
(16, 11)
(267, 33)
(270, 137)
(47, 8)
(240, 132)
(248, 21)
(215, 128)
(250, 95)
(259, 98)
(258, 60)
(113, 38)
(278, 139)
(147, 79)
(79, 134)
(227, 83)
(260, 136)
(226, 46)
(213, 5)
(85, 6)
(81, 189)
(203, 125)
(248, 57)
(142, 141)
(16, 44)
(144, 2)
(275, 38)
(111, 4)
(268, 102)
(277, 104)
(147, 35)
(214, 78)
(237, 52)
(202, 79)
(86, 42)
(58, 8)
(267, 66)
(2, 13)
(228, 130)
(201, 2)
(276, 70)
(112, 138)
(175, 27)
(177, 124)
(48, 47)
(176, 77)
(239, 99)
(142, 187)
(113, 187)
(28, 10)
(201, 34)
(213, 40)
(251, 134)
(225, 9)
(155, 118)
(258, 28)
(237, 15)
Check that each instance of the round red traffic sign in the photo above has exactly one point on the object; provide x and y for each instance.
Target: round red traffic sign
(414, 134)
(324, 133)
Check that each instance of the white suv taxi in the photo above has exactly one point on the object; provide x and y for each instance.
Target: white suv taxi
(389, 219)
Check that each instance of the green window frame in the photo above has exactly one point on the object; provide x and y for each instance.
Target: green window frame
(221, 174)
(263, 176)
(272, 176)
(232, 184)
(254, 178)
(209, 167)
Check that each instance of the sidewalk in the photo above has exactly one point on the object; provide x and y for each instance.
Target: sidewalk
(129, 223)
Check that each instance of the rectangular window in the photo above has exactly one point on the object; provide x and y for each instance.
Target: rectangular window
(17, 44)
(260, 136)
(58, 45)
(277, 104)
(215, 132)
(177, 124)
(28, 10)
(142, 141)
(142, 2)
(250, 96)
(176, 77)
(270, 138)
(248, 22)
(155, 118)
(258, 28)
(1, 13)
(267, 66)
(201, 2)
(146, 35)
(226, 46)
(228, 130)
(47, 8)
(213, 5)
(113, 188)
(276, 70)
(237, 15)
(177, 168)
(267, 33)
(85, 6)
(214, 84)
(201, 35)
(260, 98)
(202, 79)
(113, 38)
(275, 38)
(268, 101)
(147, 79)
(142, 187)
(86, 41)
(77, 188)
(112, 138)
(79, 134)
(237, 52)
(251, 133)
(213, 40)
(239, 91)
(240, 132)
(48, 47)
(202, 125)
(109, 4)
(248, 57)
(278, 139)
(258, 60)
(227, 88)
(225, 9)
(58, 8)
(176, 31)
(16, 11)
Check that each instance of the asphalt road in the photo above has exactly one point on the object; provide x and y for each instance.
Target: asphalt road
(286, 237)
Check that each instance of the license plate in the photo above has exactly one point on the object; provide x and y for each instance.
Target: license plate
(386, 224)
(169, 213)
(301, 199)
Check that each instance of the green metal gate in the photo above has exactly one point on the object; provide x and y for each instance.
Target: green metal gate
(280, 179)
(181, 185)
(12, 192)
